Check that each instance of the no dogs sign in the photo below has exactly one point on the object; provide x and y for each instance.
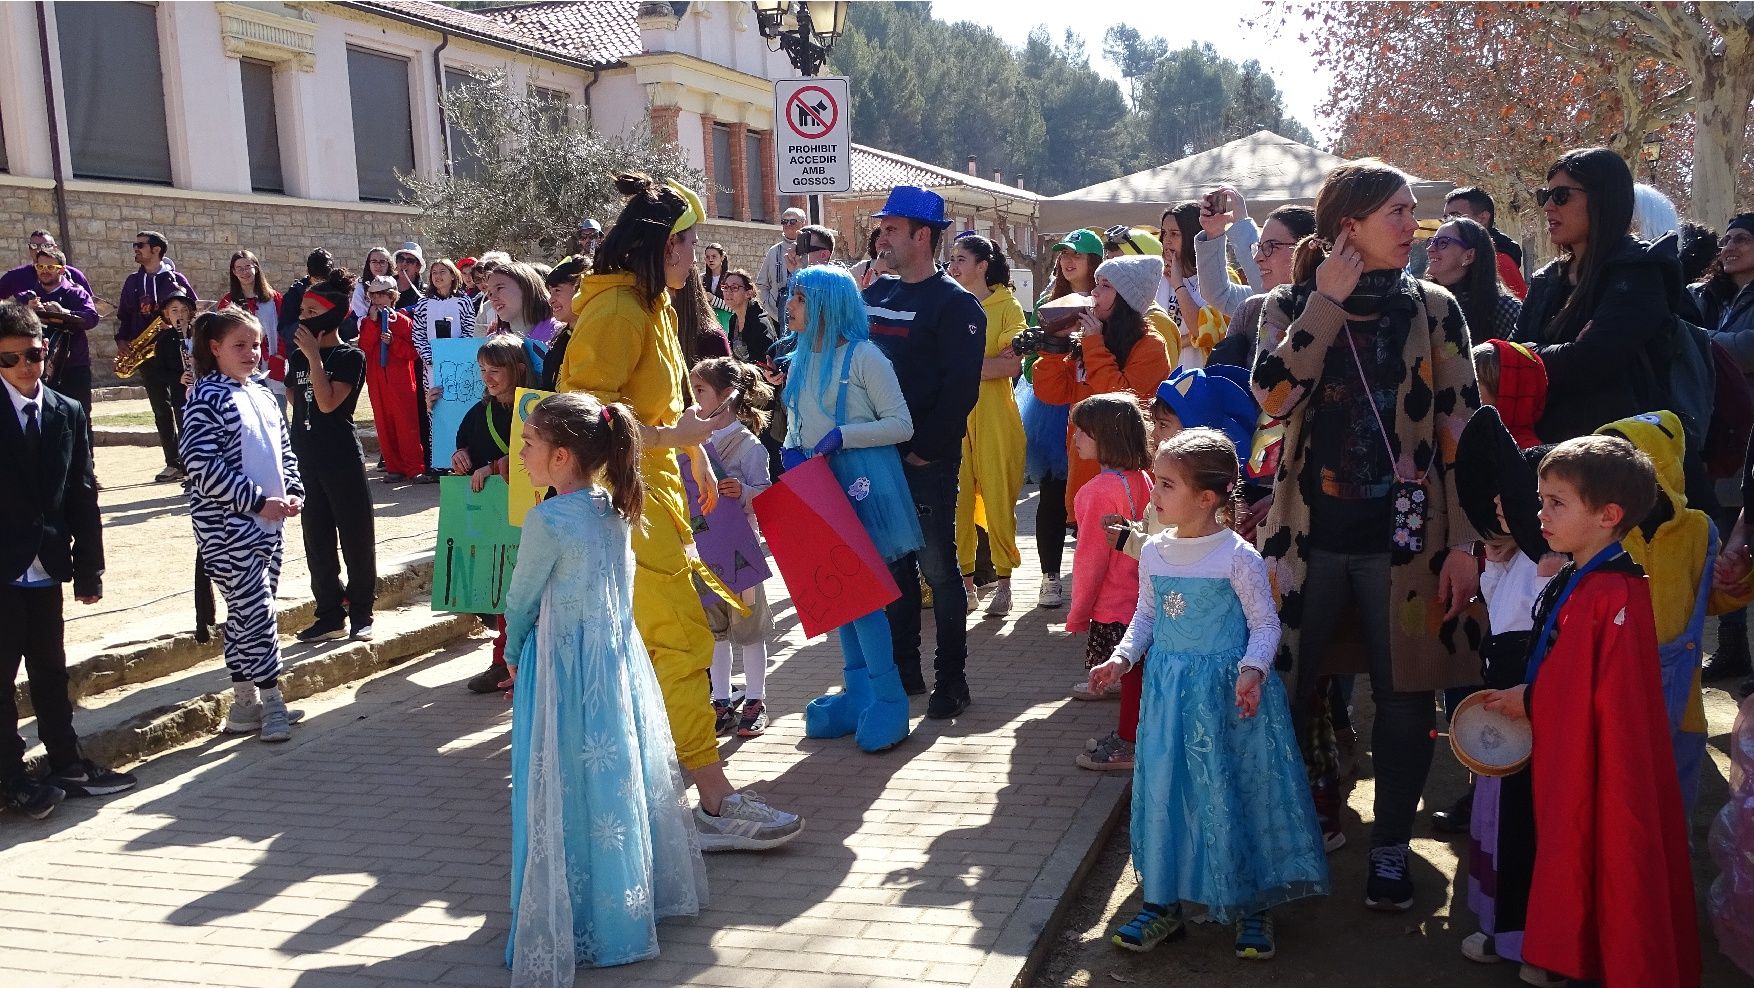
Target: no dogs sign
(812, 139)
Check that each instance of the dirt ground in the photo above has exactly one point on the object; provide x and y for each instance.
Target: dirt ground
(1336, 941)
(149, 548)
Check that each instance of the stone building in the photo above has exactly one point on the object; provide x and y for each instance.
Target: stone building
(278, 126)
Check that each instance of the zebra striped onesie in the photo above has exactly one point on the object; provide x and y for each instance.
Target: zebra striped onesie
(236, 452)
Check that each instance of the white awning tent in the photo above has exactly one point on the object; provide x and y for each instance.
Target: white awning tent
(1269, 170)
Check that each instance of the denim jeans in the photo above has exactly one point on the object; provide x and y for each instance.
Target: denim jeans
(1401, 743)
(933, 486)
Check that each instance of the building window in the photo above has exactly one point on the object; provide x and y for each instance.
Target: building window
(752, 177)
(724, 175)
(114, 91)
(261, 127)
(383, 125)
(465, 155)
(555, 107)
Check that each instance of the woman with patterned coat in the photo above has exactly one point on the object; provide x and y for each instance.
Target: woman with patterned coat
(1366, 531)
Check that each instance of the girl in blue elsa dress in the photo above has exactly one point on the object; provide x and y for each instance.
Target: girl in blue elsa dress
(603, 844)
(1221, 809)
(843, 401)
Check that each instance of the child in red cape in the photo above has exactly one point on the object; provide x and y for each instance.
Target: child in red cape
(1612, 895)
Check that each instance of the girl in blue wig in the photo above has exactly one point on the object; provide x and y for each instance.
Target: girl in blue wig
(843, 401)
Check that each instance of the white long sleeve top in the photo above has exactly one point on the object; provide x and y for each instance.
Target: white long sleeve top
(1223, 555)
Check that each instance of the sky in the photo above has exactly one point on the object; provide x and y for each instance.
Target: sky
(1282, 55)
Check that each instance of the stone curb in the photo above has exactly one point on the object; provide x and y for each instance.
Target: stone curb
(120, 392)
(1028, 935)
(139, 663)
(165, 727)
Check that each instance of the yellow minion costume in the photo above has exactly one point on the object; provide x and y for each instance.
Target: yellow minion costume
(1677, 547)
(992, 451)
(624, 350)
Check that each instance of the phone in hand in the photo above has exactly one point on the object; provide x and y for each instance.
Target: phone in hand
(442, 328)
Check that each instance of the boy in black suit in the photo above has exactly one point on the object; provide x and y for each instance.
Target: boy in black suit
(50, 532)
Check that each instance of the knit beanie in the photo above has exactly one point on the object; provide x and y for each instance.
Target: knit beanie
(1740, 221)
(1135, 278)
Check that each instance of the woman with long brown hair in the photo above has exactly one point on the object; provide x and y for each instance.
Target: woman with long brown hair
(251, 292)
(626, 350)
(1370, 369)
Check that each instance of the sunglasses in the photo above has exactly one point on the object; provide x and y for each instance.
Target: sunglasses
(33, 354)
(140, 246)
(791, 222)
(1736, 240)
(1438, 245)
(1265, 248)
(1559, 194)
(1117, 235)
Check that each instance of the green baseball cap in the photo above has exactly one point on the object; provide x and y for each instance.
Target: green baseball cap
(1081, 242)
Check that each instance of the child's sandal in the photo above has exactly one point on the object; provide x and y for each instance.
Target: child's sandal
(1150, 928)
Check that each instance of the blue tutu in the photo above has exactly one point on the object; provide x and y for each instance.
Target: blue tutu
(873, 480)
(1044, 433)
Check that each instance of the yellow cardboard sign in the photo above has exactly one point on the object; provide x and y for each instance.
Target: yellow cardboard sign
(522, 495)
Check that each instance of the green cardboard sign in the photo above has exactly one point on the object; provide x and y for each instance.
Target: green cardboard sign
(477, 548)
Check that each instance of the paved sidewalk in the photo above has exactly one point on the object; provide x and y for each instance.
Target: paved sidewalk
(372, 849)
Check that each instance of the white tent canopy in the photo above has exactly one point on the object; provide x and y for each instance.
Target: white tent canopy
(1269, 170)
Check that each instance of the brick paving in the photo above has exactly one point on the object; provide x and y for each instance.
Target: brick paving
(372, 850)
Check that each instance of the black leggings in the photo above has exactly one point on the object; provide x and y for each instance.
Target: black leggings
(1050, 524)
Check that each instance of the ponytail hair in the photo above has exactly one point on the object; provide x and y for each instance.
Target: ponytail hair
(754, 395)
(986, 251)
(213, 327)
(636, 241)
(1208, 462)
(604, 439)
(1350, 192)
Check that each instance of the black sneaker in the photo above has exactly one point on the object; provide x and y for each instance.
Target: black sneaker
(947, 702)
(1388, 888)
(1454, 819)
(88, 778)
(321, 632)
(1731, 658)
(32, 798)
(488, 680)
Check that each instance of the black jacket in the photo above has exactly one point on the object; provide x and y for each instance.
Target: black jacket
(48, 508)
(1614, 370)
(754, 336)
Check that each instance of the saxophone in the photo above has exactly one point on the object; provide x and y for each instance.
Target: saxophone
(139, 349)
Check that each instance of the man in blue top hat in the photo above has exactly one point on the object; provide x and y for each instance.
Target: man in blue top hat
(935, 333)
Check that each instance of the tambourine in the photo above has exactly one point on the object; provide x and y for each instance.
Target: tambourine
(1488, 742)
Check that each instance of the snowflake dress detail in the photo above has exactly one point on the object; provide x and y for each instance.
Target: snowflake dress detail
(1221, 809)
(603, 840)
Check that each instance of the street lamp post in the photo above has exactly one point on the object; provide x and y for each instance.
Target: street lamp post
(1652, 152)
(806, 31)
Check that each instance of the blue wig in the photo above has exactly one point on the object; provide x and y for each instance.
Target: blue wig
(834, 314)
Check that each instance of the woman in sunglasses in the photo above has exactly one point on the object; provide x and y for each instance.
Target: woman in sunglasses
(1271, 253)
(1596, 314)
(1461, 258)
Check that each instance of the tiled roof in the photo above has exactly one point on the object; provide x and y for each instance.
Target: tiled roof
(603, 31)
(577, 33)
(875, 170)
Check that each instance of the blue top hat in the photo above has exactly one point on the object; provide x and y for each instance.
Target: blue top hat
(914, 203)
(1212, 397)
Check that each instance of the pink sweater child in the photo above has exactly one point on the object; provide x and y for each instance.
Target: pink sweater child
(1105, 585)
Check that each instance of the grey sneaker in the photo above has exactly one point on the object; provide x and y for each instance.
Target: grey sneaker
(1051, 596)
(1000, 604)
(745, 823)
(246, 718)
(276, 724)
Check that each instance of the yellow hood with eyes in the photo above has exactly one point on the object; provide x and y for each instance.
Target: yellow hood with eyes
(1659, 436)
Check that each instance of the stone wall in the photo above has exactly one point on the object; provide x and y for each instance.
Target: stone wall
(203, 233)
(746, 243)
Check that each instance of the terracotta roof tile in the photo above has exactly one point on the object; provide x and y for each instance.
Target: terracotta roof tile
(603, 31)
(876, 170)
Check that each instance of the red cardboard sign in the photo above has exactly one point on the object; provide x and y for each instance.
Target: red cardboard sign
(831, 568)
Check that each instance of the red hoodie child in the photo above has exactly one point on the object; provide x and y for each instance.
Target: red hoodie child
(387, 337)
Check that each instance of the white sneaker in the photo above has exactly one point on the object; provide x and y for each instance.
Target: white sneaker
(246, 718)
(1000, 605)
(1478, 948)
(1333, 841)
(745, 823)
(1050, 597)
